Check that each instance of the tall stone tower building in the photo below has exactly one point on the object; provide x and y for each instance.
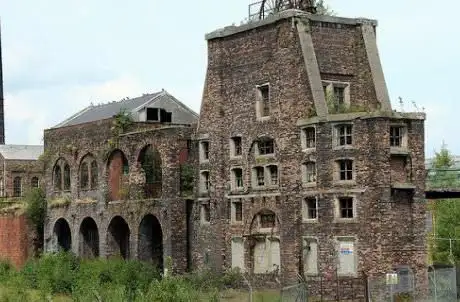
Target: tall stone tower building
(304, 166)
(2, 115)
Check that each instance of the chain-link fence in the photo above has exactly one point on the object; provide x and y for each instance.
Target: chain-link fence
(443, 284)
(294, 293)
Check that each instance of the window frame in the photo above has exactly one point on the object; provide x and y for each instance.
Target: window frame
(235, 211)
(343, 172)
(306, 209)
(263, 109)
(17, 187)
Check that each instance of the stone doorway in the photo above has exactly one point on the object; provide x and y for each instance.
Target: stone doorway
(118, 238)
(63, 235)
(89, 238)
(150, 241)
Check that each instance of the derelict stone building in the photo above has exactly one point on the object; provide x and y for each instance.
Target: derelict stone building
(303, 165)
(113, 182)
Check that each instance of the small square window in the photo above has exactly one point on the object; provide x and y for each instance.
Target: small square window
(267, 221)
(346, 207)
(266, 146)
(344, 135)
(396, 136)
(345, 169)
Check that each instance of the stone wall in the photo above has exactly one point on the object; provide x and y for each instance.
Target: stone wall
(295, 53)
(25, 169)
(97, 140)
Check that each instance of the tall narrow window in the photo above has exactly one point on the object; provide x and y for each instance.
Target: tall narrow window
(310, 208)
(310, 248)
(17, 187)
(204, 181)
(237, 211)
(204, 151)
(57, 178)
(346, 207)
(259, 176)
(345, 169)
(94, 175)
(34, 182)
(2, 187)
(237, 178)
(236, 148)
(344, 135)
(264, 96)
(309, 138)
(66, 177)
(310, 172)
(273, 172)
(84, 176)
(205, 212)
(396, 136)
(339, 96)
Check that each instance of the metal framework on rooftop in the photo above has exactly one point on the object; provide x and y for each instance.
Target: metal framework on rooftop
(261, 9)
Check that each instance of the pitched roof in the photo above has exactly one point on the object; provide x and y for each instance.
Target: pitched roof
(21, 152)
(162, 99)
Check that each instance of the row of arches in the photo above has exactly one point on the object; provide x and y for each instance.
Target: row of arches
(148, 167)
(118, 239)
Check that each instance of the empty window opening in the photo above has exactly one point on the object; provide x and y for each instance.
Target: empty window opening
(310, 256)
(237, 146)
(205, 182)
(344, 135)
(238, 177)
(266, 146)
(17, 187)
(273, 171)
(150, 161)
(260, 176)
(346, 169)
(311, 205)
(165, 117)
(396, 136)
(310, 137)
(237, 210)
(84, 176)
(205, 212)
(267, 220)
(204, 148)
(150, 240)
(62, 235)
(310, 172)
(94, 175)
(57, 178)
(118, 238)
(264, 95)
(89, 238)
(34, 182)
(152, 114)
(66, 177)
(346, 207)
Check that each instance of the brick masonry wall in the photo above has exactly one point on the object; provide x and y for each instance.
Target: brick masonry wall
(15, 239)
(272, 53)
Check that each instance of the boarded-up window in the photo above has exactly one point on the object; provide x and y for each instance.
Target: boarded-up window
(347, 256)
(310, 256)
(238, 253)
(266, 256)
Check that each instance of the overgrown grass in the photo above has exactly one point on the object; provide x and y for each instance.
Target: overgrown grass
(64, 277)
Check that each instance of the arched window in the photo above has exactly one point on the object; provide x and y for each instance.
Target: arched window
(66, 177)
(57, 178)
(84, 176)
(94, 175)
(17, 187)
(34, 182)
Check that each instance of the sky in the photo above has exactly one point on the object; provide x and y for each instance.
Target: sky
(59, 56)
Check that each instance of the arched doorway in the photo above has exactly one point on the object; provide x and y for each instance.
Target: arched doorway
(150, 243)
(89, 239)
(118, 238)
(62, 235)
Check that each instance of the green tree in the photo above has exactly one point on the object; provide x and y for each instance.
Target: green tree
(446, 213)
(323, 9)
(36, 211)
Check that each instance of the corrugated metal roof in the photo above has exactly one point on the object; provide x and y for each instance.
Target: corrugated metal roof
(21, 152)
(181, 113)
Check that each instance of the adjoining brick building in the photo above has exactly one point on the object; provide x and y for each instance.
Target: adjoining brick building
(20, 169)
(303, 165)
(113, 182)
